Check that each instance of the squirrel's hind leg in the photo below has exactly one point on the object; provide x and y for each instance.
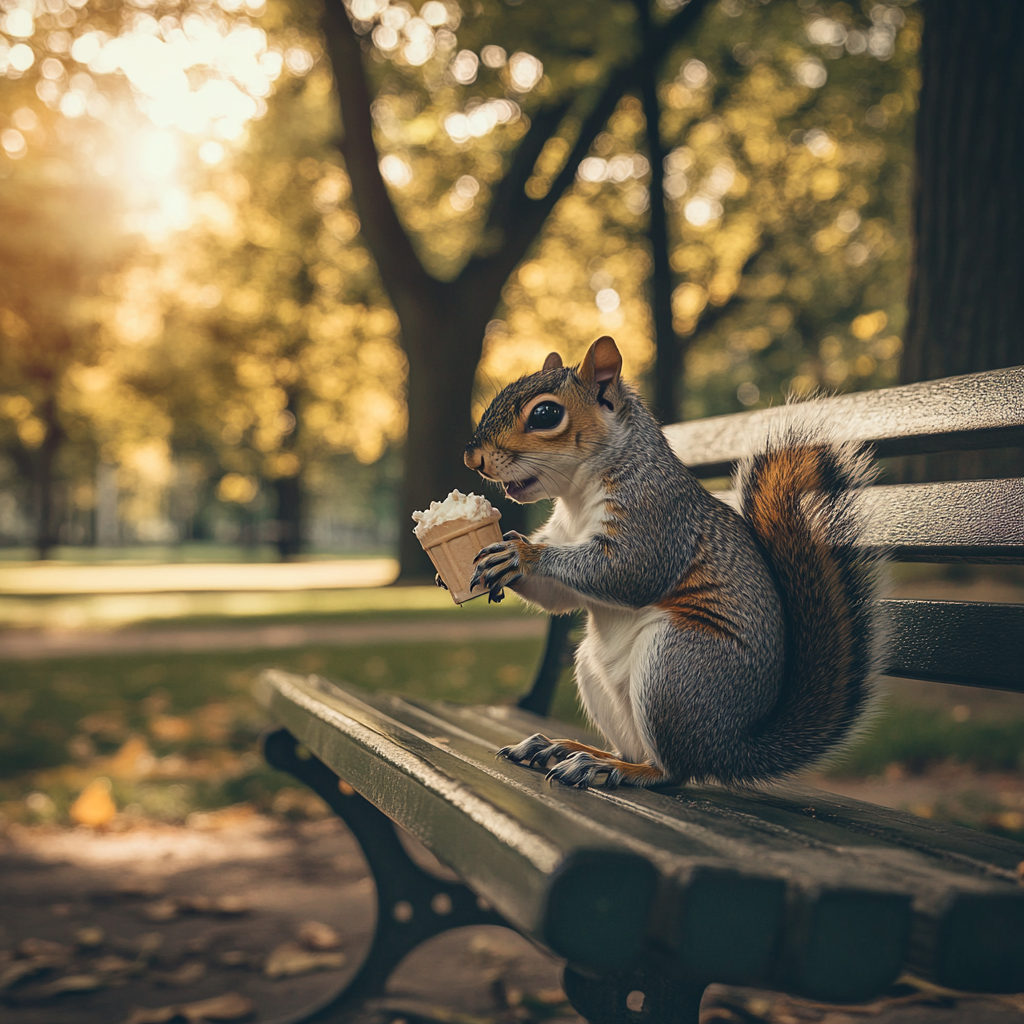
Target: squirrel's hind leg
(539, 750)
(584, 769)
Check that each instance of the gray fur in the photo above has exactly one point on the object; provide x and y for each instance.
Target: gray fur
(706, 704)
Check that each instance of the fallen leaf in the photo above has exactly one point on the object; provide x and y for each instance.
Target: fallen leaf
(550, 996)
(153, 1015)
(147, 944)
(132, 760)
(290, 959)
(161, 911)
(21, 970)
(230, 905)
(230, 1006)
(233, 958)
(42, 947)
(116, 965)
(170, 728)
(90, 937)
(69, 984)
(317, 935)
(187, 974)
(94, 806)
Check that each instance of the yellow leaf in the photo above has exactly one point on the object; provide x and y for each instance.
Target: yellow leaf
(95, 806)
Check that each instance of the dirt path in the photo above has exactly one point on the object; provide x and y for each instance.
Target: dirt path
(24, 644)
(133, 918)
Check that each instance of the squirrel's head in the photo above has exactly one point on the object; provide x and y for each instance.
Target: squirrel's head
(538, 431)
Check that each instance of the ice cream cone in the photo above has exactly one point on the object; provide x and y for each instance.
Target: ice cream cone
(452, 546)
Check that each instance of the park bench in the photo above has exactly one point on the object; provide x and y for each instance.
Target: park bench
(652, 895)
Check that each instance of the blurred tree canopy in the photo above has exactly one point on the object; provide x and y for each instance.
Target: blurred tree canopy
(811, 190)
(261, 299)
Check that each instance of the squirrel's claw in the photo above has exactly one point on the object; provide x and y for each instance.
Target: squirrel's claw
(582, 770)
(438, 582)
(495, 596)
(526, 750)
(499, 568)
(491, 549)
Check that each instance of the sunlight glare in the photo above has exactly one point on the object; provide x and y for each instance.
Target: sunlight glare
(19, 23)
(211, 153)
(157, 155)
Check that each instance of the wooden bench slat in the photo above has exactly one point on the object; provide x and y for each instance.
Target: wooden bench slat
(969, 520)
(533, 851)
(984, 410)
(972, 643)
(978, 521)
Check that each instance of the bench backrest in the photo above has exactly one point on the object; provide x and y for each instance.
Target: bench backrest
(973, 521)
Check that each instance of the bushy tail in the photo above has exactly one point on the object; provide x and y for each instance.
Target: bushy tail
(798, 495)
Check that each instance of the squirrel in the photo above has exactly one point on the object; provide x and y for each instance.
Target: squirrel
(737, 647)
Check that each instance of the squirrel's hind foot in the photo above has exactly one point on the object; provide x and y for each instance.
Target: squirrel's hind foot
(584, 769)
(533, 750)
(539, 750)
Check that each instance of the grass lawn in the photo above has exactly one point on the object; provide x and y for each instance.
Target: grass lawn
(178, 733)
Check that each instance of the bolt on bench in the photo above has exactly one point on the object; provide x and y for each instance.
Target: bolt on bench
(662, 892)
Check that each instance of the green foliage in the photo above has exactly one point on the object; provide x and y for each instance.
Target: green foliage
(802, 282)
(789, 135)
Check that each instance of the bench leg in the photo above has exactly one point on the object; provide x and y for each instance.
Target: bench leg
(412, 905)
(645, 994)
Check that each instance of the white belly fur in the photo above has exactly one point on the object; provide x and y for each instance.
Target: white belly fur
(617, 647)
(618, 643)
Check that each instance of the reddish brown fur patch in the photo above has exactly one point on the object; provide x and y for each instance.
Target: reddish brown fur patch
(698, 602)
(645, 774)
(529, 554)
(789, 475)
(574, 746)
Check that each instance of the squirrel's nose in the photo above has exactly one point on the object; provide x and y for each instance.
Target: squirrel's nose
(474, 459)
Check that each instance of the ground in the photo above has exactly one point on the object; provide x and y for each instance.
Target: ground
(158, 916)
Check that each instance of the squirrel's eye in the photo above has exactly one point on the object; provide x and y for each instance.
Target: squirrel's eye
(545, 416)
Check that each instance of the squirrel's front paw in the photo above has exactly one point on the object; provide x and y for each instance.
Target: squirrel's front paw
(504, 564)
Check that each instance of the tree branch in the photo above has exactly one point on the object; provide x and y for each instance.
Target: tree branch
(543, 126)
(523, 217)
(400, 267)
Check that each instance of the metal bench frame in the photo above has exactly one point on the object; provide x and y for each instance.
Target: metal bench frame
(972, 643)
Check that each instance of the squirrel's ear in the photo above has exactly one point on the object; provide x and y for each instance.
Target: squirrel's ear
(553, 362)
(602, 364)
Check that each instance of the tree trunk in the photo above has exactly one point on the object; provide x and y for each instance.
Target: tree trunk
(668, 364)
(966, 303)
(289, 516)
(443, 351)
(46, 457)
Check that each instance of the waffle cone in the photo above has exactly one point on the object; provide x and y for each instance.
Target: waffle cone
(452, 548)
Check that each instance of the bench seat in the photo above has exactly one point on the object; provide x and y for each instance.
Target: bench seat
(783, 887)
